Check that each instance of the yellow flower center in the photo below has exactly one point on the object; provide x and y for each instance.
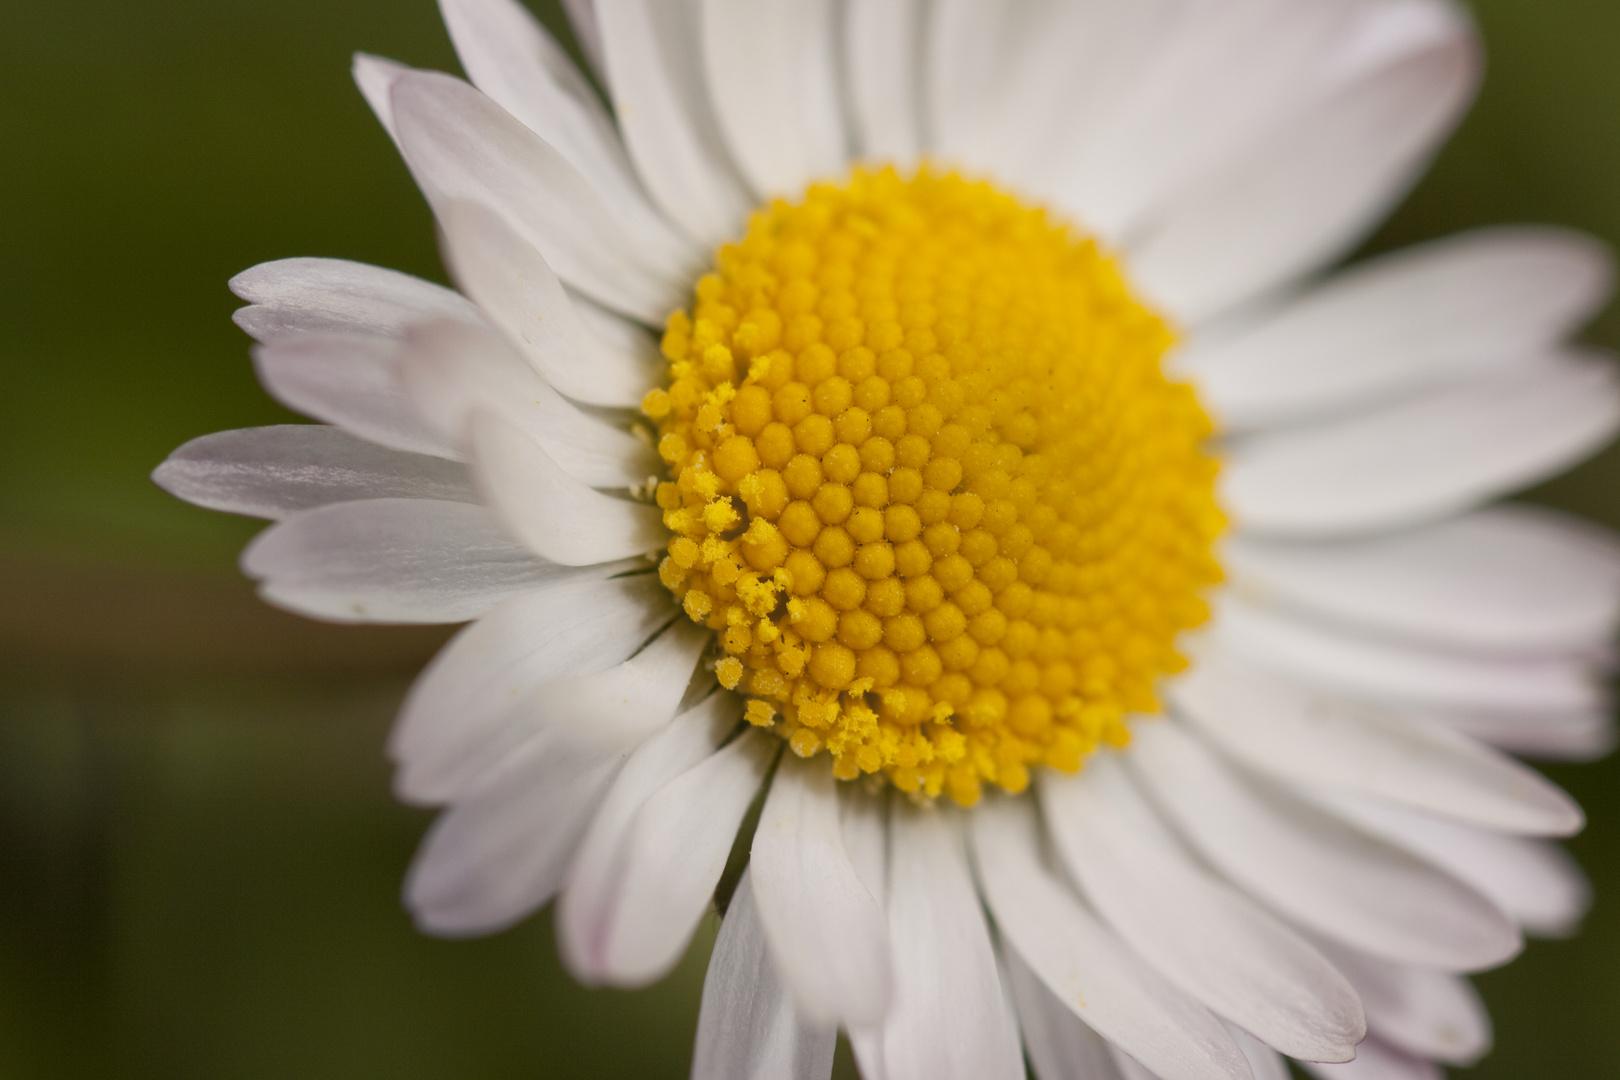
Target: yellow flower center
(932, 489)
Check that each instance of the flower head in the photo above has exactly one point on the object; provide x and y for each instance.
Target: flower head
(1103, 600)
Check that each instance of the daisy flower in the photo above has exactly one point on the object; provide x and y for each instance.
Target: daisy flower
(931, 423)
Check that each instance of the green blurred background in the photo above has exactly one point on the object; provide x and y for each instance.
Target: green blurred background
(199, 856)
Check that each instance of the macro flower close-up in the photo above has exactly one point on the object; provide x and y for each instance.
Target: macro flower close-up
(920, 478)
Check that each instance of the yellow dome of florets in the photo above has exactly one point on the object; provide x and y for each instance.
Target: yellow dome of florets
(932, 489)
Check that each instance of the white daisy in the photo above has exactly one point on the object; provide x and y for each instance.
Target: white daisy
(962, 292)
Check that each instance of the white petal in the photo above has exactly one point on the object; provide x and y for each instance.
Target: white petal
(1572, 735)
(271, 472)
(654, 63)
(461, 145)
(1426, 457)
(1094, 977)
(394, 561)
(525, 301)
(1505, 578)
(348, 380)
(1006, 82)
(586, 908)
(1426, 1013)
(1534, 881)
(1312, 868)
(587, 33)
(460, 703)
(1202, 935)
(865, 818)
(506, 844)
(1219, 77)
(1378, 1061)
(882, 58)
(1311, 188)
(1127, 1067)
(1014, 1065)
(1310, 737)
(1059, 1044)
(509, 56)
(451, 371)
(375, 76)
(501, 851)
(771, 67)
(864, 815)
(826, 930)
(290, 297)
(1265, 1062)
(1066, 72)
(948, 1017)
(626, 340)
(1414, 675)
(748, 1026)
(560, 518)
(1405, 321)
(673, 858)
(617, 707)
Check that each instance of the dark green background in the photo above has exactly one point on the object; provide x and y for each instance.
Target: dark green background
(199, 856)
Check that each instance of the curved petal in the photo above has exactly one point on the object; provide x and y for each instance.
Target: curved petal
(452, 371)
(1428, 1014)
(1069, 72)
(1421, 677)
(948, 1017)
(826, 931)
(394, 561)
(509, 56)
(460, 702)
(1569, 735)
(674, 855)
(1203, 936)
(1060, 1045)
(1264, 1062)
(1425, 457)
(748, 1025)
(627, 340)
(559, 518)
(1218, 77)
(271, 472)
(1405, 321)
(771, 67)
(1311, 737)
(350, 381)
(587, 33)
(1511, 579)
(1314, 869)
(652, 53)
(1018, 89)
(1094, 977)
(375, 76)
(617, 707)
(1376, 1060)
(882, 61)
(865, 818)
(586, 908)
(501, 851)
(461, 145)
(1312, 187)
(290, 297)
(525, 301)
(1536, 882)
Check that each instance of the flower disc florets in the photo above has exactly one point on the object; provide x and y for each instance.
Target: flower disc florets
(932, 489)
